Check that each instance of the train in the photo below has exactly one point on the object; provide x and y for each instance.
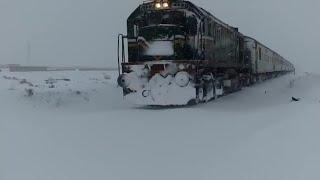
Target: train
(176, 53)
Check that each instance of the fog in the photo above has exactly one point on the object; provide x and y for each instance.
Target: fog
(81, 32)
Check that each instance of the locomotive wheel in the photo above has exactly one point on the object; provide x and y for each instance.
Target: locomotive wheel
(192, 102)
(214, 91)
(200, 95)
(238, 85)
(211, 91)
(196, 100)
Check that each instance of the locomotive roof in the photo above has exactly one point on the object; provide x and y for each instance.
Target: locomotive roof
(199, 11)
(208, 14)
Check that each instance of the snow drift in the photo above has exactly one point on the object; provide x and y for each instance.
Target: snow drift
(258, 133)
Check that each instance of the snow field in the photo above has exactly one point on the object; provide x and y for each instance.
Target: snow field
(92, 133)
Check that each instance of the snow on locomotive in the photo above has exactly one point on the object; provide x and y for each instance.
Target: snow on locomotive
(176, 53)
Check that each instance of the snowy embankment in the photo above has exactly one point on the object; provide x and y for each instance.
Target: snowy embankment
(76, 126)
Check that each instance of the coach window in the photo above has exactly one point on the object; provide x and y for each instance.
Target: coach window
(210, 29)
(216, 35)
(213, 30)
(224, 38)
(260, 54)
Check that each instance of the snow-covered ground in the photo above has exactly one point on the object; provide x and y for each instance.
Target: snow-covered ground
(76, 126)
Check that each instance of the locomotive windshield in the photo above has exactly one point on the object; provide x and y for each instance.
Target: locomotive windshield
(161, 32)
(160, 25)
(165, 17)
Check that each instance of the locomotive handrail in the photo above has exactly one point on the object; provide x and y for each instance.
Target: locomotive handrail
(121, 38)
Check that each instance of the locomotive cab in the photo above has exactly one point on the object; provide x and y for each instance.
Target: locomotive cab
(162, 31)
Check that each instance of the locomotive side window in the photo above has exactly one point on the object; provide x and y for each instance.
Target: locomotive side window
(191, 26)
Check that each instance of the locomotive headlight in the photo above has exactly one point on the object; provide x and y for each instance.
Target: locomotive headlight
(165, 5)
(158, 5)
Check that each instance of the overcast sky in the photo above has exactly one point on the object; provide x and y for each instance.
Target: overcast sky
(83, 32)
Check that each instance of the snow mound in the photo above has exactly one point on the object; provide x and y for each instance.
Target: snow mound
(60, 89)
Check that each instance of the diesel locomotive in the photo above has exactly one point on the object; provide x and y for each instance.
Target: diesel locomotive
(176, 53)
